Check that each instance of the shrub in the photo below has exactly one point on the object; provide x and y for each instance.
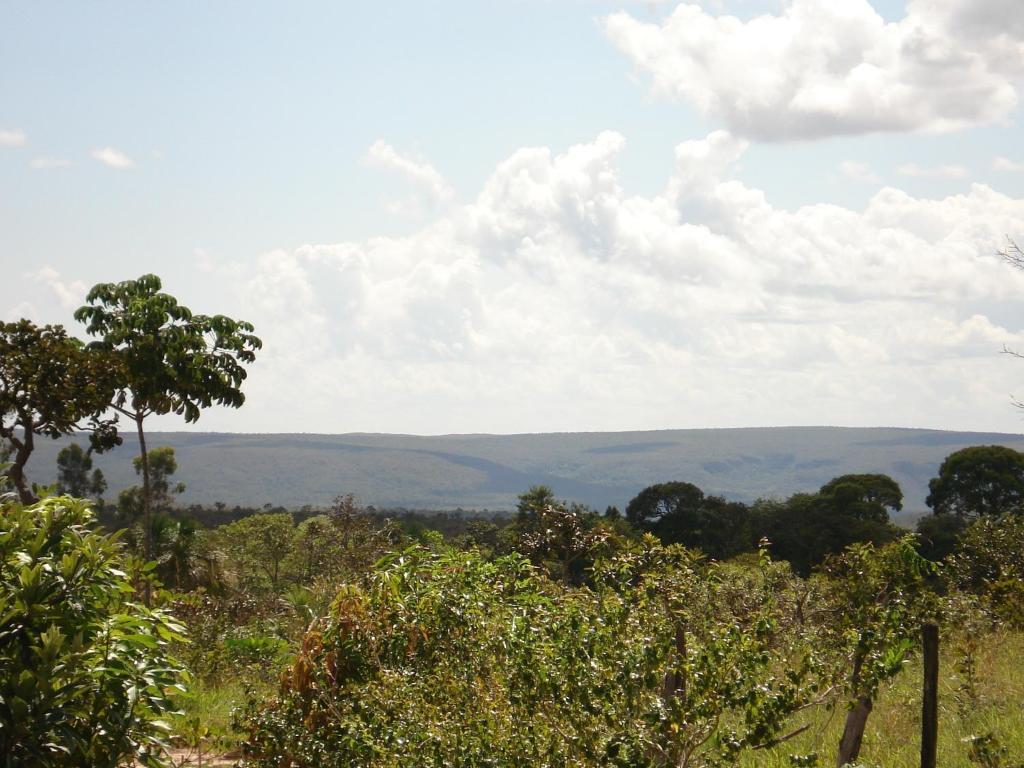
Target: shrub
(441, 659)
(989, 561)
(85, 677)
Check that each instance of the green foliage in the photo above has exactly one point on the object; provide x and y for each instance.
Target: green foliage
(987, 752)
(162, 464)
(259, 545)
(878, 597)
(85, 675)
(49, 386)
(444, 658)
(989, 561)
(680, 513)
(937, 535)
(978, 481)
(75, 475)
(808, 527)
(170, 360)
(865, 497)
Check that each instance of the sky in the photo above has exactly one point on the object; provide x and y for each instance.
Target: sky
(539, 215)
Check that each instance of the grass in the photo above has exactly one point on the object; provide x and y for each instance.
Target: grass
(892, 738)
(207, 713)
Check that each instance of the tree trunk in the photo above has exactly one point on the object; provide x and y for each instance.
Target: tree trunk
(147, 535)
(856, 720)
(16, 472)
(673, 686)
(147, 521)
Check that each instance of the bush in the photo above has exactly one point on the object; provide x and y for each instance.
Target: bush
(85, 677)
(989, 561)
(440, 659)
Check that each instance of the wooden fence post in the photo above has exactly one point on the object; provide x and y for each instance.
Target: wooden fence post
(930, 695)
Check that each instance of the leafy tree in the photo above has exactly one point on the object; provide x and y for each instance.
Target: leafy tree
(977, 481)
(874, 600)
(562, 538)
(158, 535)
(85, 676)
(75, 475)
(538, 497)
(162, 464)
(937, 535)
(865, 497)
(989, 561)
(169, 360)
(50, 386)
(680, 513)
(260, 543)
(808, 527)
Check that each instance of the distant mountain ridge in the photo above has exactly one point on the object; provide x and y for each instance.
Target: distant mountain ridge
(488, 471)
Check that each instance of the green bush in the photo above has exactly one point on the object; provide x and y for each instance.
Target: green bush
(85, 677)
(442, 659)
(989, 561)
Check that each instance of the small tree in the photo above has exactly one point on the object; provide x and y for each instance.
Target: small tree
(50, 386)
(874, 602)
(75, 475)
(260, 543)
(169, 360)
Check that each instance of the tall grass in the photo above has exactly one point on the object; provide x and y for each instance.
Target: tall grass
(892, 739)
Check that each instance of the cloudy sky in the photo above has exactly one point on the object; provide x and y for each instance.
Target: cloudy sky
(540, 215)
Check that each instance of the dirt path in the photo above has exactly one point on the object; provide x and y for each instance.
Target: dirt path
(187, 758)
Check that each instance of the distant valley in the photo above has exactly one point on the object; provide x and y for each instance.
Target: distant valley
(488, 471)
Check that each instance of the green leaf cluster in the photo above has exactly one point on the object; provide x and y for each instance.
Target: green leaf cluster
(85, 674)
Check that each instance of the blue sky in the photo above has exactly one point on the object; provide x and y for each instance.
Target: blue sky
(211, 143)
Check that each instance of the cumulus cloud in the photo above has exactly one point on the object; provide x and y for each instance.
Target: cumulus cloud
(49, 163)
(113, 158)
(858, 172)
(70, 294)
(429, 187)
(934, 172)
(555, 300)
(822, 68)
(13, 139)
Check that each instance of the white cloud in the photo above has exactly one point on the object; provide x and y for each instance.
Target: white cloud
(12, 139)
(47, 163)
(1006, 164)
(113, 158)
(557, 301)
(858, 172)
(823, 67)
(24, 309)
(430, 187)
(935, 172)
(71, 295)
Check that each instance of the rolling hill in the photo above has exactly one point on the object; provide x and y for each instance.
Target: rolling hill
(488, 471)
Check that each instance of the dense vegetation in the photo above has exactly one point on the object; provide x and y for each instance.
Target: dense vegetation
(686, 630)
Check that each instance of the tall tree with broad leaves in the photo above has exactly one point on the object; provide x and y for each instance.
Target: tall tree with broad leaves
(170, 360)
(50, 385)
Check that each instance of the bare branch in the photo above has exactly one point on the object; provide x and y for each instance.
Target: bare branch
(1012, 254)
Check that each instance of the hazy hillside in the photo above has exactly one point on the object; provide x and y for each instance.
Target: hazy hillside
(487, 471)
